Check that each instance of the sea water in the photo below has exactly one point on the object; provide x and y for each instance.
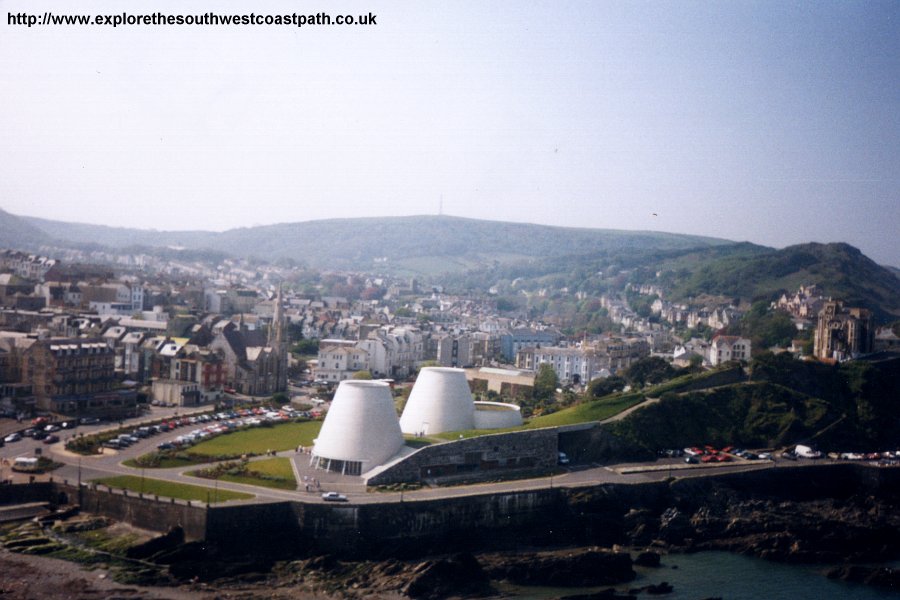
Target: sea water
(727, 576)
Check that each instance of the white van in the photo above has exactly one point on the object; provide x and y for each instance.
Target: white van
(806, 452)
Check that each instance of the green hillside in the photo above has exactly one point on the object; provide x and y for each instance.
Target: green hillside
(422, 244)
(739, 270)
(17, 233)
(840, 270)
(849, 407)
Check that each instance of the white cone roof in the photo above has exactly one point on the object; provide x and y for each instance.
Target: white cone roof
(439, 401)
(361, 425)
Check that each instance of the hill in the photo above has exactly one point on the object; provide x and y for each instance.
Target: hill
(841, 271)
(118, 237)
(17, 233)
(840, 407)
(414, 245)
(736, 270)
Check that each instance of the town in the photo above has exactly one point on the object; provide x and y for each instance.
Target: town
(191, 332)
(160, 390)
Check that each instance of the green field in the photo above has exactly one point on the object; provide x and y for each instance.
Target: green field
(162, 460)
(257, 440)
(169, 489)
(596, 410)
(459, 435)
(272, 473)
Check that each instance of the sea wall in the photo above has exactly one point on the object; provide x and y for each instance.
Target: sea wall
(590, 515)
(141, 510)
(397, 529)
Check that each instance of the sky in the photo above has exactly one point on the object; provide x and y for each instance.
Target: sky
(775, 122)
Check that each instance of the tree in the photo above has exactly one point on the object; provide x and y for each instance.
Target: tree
(764, 327)
(696, 363)
(651, 369)
(545, 382)
(365, 374)
(306, 347)
(598, 388)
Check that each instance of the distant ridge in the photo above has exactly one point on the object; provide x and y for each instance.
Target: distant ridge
(18, 233)
(425, 244)
(483, 252)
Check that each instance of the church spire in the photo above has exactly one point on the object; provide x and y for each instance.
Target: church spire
(276, 333)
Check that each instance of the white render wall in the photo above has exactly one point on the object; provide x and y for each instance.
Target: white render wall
(439, 401)
(497, 415)
(361, 425)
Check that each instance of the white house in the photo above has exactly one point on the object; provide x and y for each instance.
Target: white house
(724, 348)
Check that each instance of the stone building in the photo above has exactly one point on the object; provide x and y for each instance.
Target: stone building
(843, 333)
(76, 377)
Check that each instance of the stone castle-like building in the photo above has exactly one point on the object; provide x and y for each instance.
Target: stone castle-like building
(842, 333)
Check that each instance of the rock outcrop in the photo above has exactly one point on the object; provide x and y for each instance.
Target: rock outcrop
(563, 568)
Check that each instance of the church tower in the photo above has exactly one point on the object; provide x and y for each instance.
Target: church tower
(276, 341)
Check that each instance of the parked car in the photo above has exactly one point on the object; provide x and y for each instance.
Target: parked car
(89, 420)
(13, 437)
(334, 497)
(51, 439)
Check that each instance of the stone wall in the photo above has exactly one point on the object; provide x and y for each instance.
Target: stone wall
(448, 524)
(145, 512)
(577, 515)
(249, 525)
(484, 457)
(21, 493)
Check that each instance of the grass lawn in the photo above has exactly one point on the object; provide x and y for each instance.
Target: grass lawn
(458, 435)
(416, 442)
(166, 462)
(256, 440)
(278, 469)
(596, 410)
(169, 489)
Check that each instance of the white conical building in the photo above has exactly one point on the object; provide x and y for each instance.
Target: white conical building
(439, 401)
(360, 431)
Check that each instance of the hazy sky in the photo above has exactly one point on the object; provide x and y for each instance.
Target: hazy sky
(775, 122)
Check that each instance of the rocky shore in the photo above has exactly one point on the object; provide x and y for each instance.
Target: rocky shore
(606, 532)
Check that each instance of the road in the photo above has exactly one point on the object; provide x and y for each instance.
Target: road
(312, 483)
